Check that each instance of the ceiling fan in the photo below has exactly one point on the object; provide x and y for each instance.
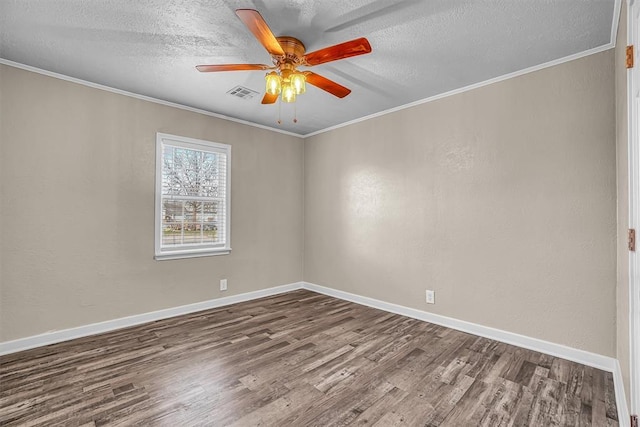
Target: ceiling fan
(288, 53)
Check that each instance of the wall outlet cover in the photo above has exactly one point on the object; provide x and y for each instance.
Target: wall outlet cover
(223, 284)
(431, 297)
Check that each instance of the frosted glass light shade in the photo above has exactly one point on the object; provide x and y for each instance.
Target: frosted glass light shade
(288, 93)
(274, 84)
(298, 82)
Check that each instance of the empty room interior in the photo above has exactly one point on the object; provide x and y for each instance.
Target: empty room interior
(382, 212)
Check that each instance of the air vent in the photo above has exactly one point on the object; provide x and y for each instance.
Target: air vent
(242, 92)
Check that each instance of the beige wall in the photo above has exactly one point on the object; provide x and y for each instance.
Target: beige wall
(77, 169)
(622, 167)
(501, 199)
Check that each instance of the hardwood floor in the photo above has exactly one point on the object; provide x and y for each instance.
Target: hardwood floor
(300, 359)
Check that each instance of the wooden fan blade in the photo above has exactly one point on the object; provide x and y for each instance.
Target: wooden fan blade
(325, 84)
(257, 25)
(340, 51)
(269, 99)
(231, 67)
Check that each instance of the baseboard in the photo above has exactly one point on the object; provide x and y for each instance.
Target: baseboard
(621, 401)
(580, 356)
(584, 357)
(53, 337)
(599, 361)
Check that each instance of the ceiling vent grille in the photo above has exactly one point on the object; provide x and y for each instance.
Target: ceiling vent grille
(243, 92)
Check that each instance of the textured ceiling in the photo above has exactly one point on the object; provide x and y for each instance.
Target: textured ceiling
(421, 48)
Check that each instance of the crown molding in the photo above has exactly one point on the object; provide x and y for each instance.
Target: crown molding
(142, 97)
(593, 51)
(471, 87)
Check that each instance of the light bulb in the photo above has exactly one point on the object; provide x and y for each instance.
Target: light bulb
(298, 82)
(273, 83)
(288, 93)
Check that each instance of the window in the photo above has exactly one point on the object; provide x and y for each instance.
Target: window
(192, 197)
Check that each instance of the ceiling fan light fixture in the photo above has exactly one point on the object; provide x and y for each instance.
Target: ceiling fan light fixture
(287, 53)
(288, 93)
(298, 81)
(274, 83)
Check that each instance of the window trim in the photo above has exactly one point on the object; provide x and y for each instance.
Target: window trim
(186, 251)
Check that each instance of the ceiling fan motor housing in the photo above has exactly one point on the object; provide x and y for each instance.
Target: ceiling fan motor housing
(293, 49)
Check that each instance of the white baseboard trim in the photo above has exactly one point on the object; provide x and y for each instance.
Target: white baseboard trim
(599, 361)
(584, 357)
(53, 337)
(624, 419)
(580, 356)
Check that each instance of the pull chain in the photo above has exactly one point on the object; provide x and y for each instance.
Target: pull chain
(295, 113)
(279, 113)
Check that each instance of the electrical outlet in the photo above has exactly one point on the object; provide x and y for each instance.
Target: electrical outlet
(431, 297)
(223, 284)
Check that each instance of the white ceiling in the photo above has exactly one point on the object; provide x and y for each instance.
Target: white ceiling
(421, 48)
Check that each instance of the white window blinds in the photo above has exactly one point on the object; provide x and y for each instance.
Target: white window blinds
(192, 197)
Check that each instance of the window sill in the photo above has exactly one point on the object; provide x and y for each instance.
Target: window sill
(191, 254)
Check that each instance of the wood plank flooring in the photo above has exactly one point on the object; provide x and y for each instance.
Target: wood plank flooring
(299, 359)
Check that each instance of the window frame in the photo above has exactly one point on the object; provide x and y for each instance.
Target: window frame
(197, 250)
